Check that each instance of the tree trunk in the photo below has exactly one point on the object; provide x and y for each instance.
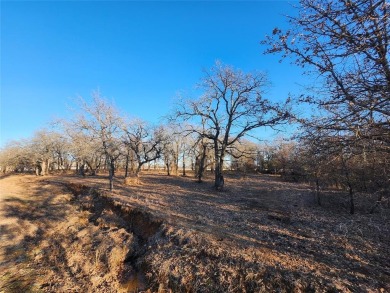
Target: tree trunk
(217, 166)
(219, 157)
(81, 170)
(138, 170)
(184, 165)
(318, 195)
(38, 168)
(127, 165)
(168, 168)
(177, 160)
(350, 188)
(45, 167)
(201, 164)
(351, 200)
(111, 174)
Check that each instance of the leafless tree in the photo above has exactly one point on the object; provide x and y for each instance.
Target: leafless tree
(101, 121)
(61, 151)
(43, 152)
(145, 141)
(86, 149)
(170, 152)
(201, 149)
(17, 156)
(232, 105)
(346, 43)
(173, 146)
(45, 148)
(244, 155)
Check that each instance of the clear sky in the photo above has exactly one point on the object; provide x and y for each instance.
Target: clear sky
(139, 54)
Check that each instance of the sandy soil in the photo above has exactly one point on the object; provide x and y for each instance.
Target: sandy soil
(170, 233)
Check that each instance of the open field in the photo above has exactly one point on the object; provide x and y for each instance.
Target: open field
(70, 234)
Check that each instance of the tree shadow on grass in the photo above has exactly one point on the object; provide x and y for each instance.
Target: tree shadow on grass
(25, 219)
(277, 217)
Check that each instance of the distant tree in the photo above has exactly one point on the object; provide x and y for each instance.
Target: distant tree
(43, 152)
(232, 105)
(201, 149)
(17, 156)
(185, 150)
(196, 147)
(170, 151)
(45, 148)
(86, 150)
(173, 146)
(185, 143)
(61, 150)
(284, 155)
(101, 121)
(244, 155)
(145, 141)
(265, 158)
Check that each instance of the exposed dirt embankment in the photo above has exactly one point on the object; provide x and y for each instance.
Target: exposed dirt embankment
(117, 245)
(160, 258)
(71, 238)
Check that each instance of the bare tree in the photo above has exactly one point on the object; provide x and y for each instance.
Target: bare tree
(43, 152)
(129, 160)
(86, 149)
(170, 152)
(231, 106)
(45, 148)
(172, 146)
(101, 121)
(201, 149)
(177, 146)
(145, 141)
(61, 151)
(17, 156)
(346, 43)
(244, 155)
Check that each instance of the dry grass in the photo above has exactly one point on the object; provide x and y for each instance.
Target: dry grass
(172, 234)
(132, 181)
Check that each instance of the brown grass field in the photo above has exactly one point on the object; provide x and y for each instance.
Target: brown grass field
(63, 233)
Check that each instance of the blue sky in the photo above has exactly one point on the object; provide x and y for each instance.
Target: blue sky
(139, 54)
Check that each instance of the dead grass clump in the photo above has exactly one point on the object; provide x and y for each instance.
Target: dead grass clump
(279, 216)
(189, 262)
(132, 181)
(77, 189)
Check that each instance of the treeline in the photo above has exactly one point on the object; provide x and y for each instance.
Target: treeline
(205, 131)
(101, 141)
(99, 138)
